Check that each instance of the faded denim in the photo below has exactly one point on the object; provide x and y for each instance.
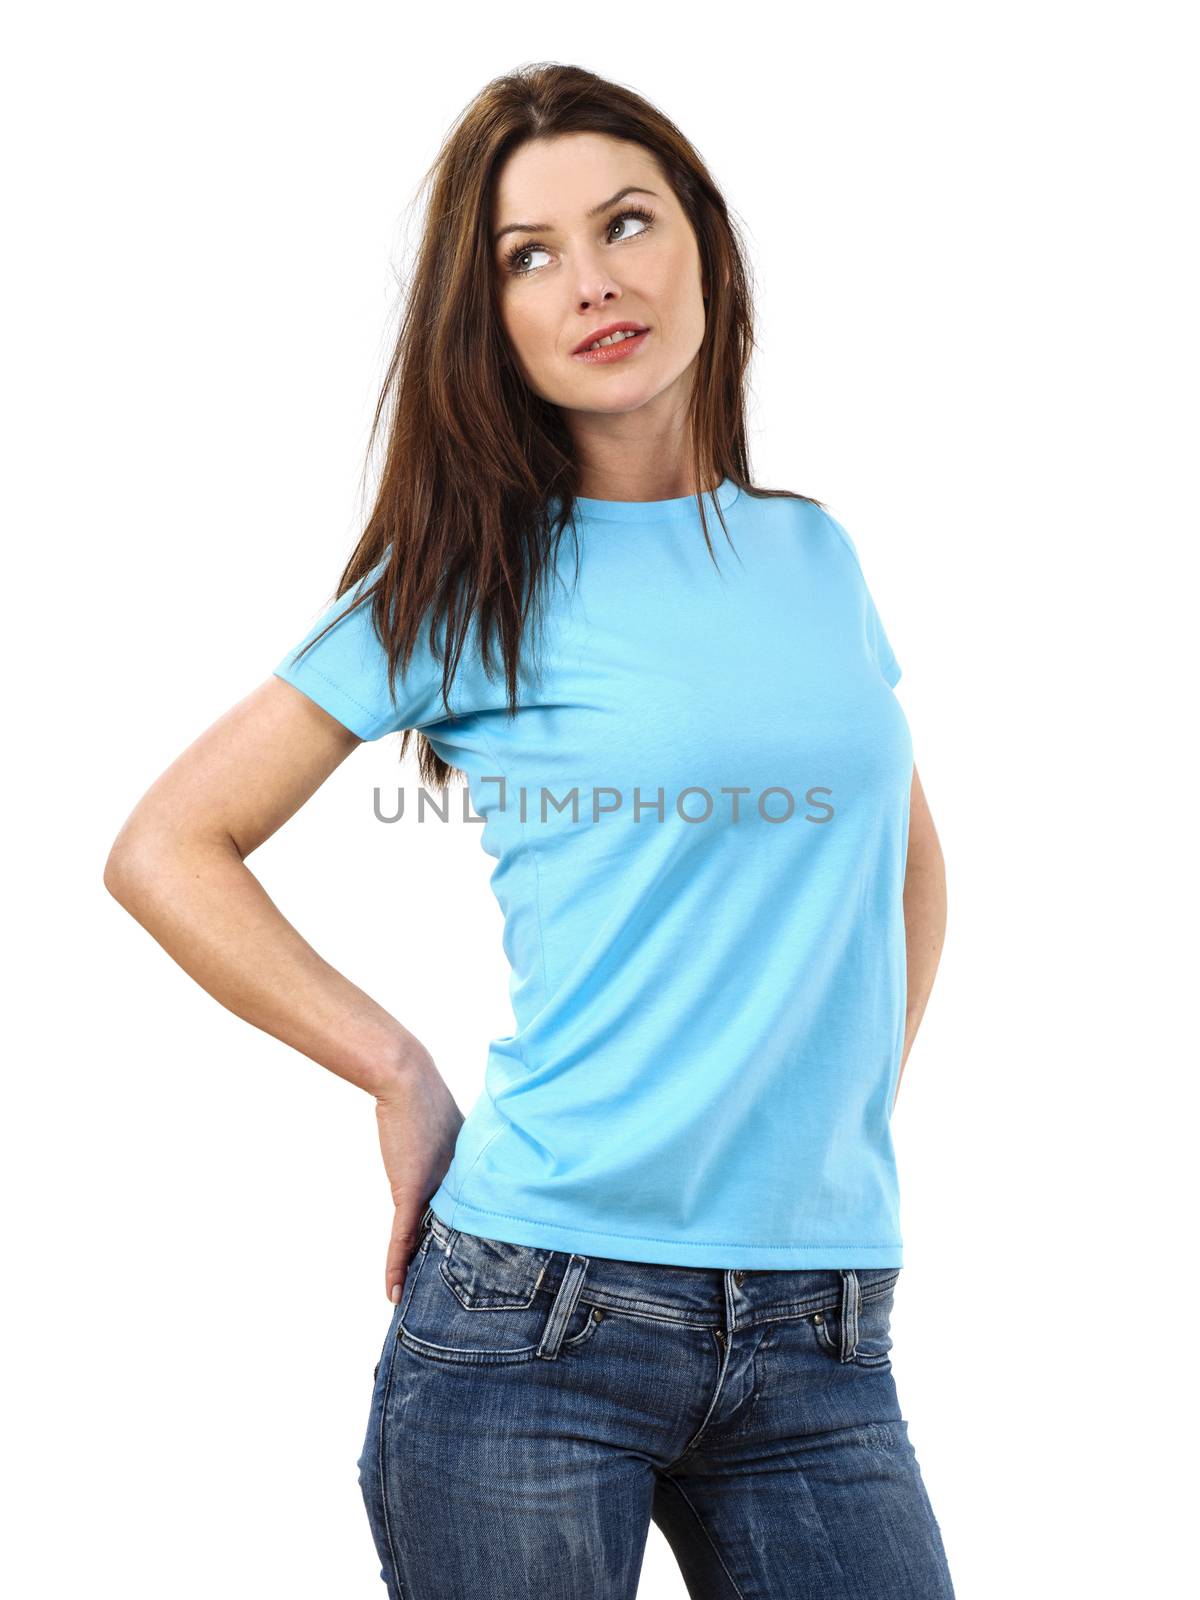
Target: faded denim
(534, 1411)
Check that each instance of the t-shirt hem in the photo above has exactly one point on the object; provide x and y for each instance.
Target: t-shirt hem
(567, 1238)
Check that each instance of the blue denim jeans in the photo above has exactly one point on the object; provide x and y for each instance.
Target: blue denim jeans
(535, 1410)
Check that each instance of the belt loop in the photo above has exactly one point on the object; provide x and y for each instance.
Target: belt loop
(424, 1222)
(851, 1301)
(563, 1308)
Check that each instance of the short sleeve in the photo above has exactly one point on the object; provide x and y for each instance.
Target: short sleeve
(876, 636)
(346, 674)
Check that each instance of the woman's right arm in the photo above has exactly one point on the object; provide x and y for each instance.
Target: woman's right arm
(178, 866)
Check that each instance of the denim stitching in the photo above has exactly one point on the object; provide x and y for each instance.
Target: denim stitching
(417, 1261)
(700, 1523)
(785, 1311)
(457, 1355)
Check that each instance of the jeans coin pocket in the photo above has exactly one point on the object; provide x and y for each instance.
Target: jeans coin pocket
(873, 1345)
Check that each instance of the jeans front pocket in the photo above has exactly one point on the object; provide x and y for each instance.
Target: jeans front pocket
(483, 1301)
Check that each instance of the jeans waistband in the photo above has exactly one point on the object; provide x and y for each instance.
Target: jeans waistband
(703, 1296)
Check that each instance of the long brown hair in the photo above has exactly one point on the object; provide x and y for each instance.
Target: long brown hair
(473, 456)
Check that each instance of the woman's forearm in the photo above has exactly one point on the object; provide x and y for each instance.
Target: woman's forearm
(211, 915)
(924, 913)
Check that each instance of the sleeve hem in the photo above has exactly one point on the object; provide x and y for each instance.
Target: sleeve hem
(331, 697)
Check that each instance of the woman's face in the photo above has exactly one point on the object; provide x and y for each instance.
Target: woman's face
(580, 272)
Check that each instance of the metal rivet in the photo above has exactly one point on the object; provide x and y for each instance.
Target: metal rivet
(817, 1317)
(596, 1313)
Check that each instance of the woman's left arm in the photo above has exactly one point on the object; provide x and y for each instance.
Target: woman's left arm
(924, 914)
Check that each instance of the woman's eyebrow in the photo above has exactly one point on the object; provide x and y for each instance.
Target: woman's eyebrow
(545, 227)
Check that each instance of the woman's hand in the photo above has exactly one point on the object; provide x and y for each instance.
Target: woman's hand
(418, 1129)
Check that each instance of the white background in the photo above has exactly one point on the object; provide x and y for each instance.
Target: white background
(975, 283)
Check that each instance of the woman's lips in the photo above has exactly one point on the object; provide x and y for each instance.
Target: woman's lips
(613, 352)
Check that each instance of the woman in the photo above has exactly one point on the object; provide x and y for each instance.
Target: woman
(649, 1277)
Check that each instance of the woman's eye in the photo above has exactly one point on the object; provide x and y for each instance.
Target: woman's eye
(516, 257)
(624, 221)
(518, 261)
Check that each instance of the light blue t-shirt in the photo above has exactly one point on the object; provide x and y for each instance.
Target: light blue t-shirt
(700, 822)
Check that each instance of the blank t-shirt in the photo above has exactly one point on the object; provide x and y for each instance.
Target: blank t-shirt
(699, 817)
